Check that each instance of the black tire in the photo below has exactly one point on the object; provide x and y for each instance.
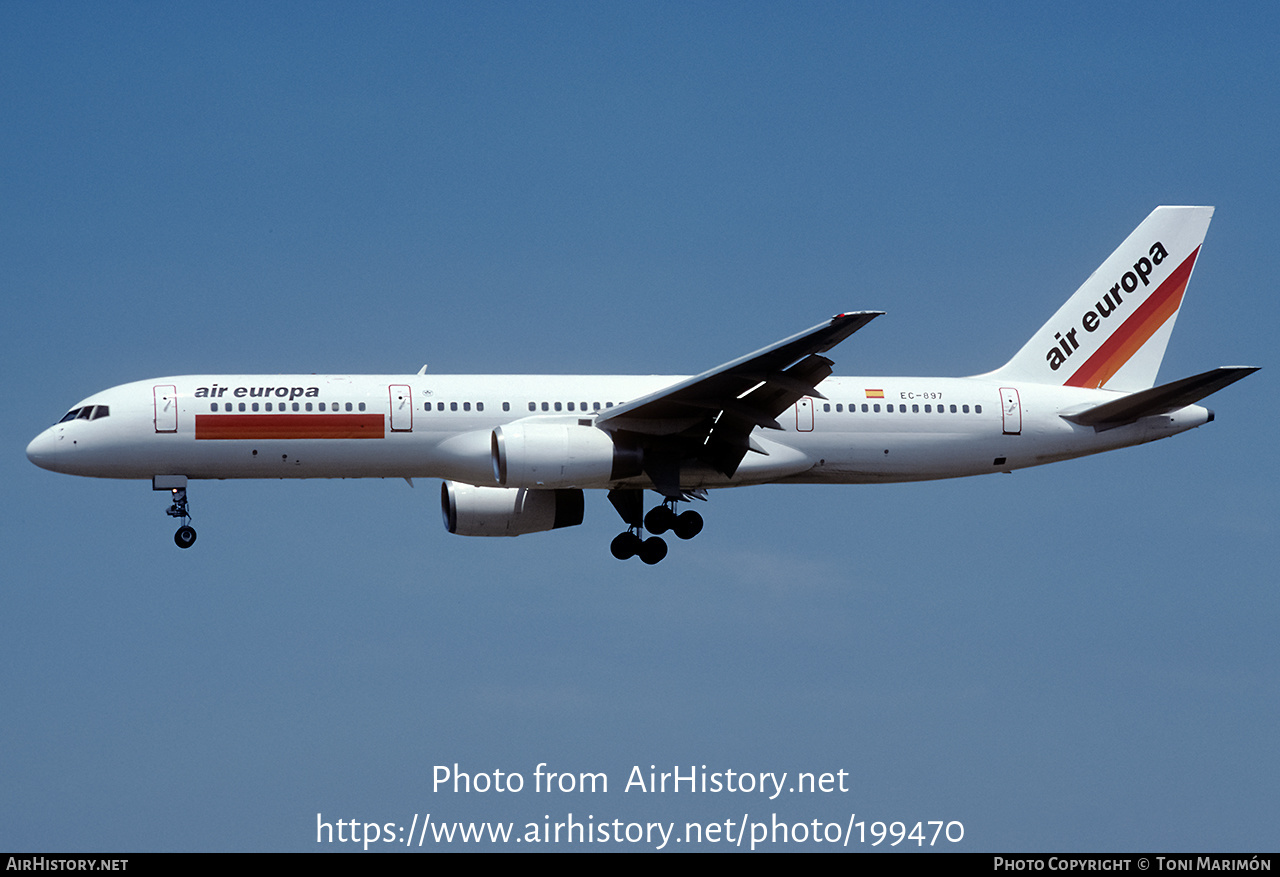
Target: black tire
(185, 537)
(659, 520)
(625, 545)
(688, 525)
(653, 550)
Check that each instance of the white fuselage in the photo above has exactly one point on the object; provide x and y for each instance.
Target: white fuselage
(877, 429)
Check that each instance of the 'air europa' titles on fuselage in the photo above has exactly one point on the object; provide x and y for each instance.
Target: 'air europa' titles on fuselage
(262, 427)
(1112, 301)
(216, 392)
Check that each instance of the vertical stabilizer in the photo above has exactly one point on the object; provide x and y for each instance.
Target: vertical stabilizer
(1113, 331)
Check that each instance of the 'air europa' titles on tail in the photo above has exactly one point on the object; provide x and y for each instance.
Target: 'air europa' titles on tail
(1113, 331)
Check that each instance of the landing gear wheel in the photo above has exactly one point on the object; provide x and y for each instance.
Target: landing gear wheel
(688, 525)
(625, 545)
(653, 550)
(663, 518)
(186, 535)
(659, 520)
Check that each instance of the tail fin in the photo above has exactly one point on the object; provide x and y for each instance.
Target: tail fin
(1113, 331)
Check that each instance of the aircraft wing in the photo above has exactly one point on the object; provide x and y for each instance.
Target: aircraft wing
(710, 416)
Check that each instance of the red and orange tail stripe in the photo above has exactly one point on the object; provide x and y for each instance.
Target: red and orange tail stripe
(1136, 330)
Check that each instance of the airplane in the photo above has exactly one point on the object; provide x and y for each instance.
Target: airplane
(516, 452)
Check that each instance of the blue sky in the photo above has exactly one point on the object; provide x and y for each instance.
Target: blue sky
(1071, 658)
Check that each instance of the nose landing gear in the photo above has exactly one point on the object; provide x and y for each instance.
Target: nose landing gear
(177, 486)
(186, 535)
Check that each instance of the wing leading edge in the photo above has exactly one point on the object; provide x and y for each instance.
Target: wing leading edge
(709, 417)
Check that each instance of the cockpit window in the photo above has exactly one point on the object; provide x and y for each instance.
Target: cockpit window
(88, 412)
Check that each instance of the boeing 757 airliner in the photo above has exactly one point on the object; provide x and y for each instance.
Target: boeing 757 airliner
(516, 452)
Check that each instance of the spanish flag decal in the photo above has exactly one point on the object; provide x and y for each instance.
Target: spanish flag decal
(875, 394)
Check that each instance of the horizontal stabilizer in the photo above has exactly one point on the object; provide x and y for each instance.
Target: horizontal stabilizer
(1159, 400)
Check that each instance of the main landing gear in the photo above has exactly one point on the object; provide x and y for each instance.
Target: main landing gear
(659, 520)
(177, 486)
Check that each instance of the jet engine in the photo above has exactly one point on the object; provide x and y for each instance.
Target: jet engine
(507, 511)
(544, 455)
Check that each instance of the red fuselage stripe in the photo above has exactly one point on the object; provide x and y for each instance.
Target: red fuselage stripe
(290, 426)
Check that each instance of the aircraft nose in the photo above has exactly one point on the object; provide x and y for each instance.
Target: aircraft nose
(44, 449)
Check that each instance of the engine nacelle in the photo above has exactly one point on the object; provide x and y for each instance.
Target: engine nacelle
(544, 455)
(507, 511)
